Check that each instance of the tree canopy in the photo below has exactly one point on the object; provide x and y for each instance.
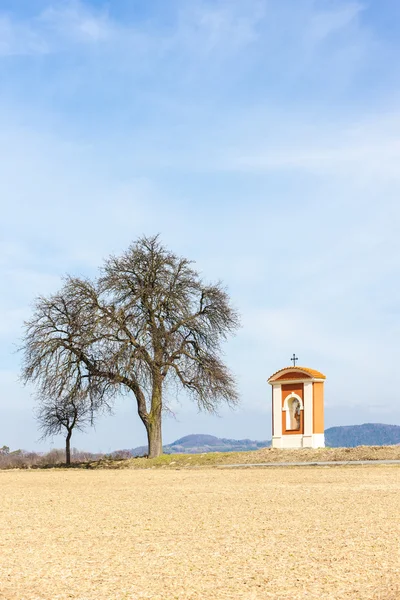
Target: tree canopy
(146, 321)
(63, 414)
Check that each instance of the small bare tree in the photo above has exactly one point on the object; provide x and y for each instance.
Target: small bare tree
(147, 320)
(63, 415)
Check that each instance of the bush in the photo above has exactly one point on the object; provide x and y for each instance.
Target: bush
(20, 459)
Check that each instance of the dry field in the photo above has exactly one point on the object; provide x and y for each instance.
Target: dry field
(316, 533)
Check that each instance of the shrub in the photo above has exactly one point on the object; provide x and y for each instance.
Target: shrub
(20, 459)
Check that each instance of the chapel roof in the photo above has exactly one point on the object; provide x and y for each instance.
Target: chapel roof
(292, 371)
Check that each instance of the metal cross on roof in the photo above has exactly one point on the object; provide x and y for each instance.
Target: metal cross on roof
(294, 358)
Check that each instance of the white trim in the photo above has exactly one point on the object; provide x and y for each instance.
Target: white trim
(277, 406)
(285, 407)
(294, 440)
(276, 441)
(292, 395)
(305, 380)
(308, 408)
(297, 440)
(307, 441)
(318, 440)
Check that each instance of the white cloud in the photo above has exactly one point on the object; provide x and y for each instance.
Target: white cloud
(11, 320)
(368, 147)
(20, 38)
(54, 29)
(201, 28)
(77, 23)
(63, 199)
(327, 22)
(220, 27)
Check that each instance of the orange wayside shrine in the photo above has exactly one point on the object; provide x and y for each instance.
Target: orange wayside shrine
(297, 408)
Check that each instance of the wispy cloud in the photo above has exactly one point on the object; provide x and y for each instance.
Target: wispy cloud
(326, 22)
(219, 27)
(201, 28)
(75, 22)
(369, 147)
(54, 29)
(20, 38)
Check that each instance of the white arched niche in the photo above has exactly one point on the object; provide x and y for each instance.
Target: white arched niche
(293, 405)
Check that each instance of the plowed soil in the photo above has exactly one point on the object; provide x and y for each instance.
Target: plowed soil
(202, 534)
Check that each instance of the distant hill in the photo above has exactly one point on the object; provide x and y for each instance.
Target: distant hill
(369, 434)
(199, 443)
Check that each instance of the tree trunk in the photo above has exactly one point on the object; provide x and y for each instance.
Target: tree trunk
(154, 437)
(152, 419)
(153, 425)
(68, 448)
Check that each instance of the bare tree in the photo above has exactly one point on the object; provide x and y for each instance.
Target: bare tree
(63, 415)
(146, 321)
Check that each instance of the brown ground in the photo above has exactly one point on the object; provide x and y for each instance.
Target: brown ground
(203, 534)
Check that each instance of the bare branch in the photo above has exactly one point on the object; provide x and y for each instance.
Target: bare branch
(148, 319)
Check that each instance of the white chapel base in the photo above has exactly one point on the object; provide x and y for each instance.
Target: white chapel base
(316, 440)
(297, 408)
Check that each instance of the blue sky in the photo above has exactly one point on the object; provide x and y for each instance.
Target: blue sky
(260, 138)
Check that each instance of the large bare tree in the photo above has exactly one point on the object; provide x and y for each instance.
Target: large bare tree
(146, 321)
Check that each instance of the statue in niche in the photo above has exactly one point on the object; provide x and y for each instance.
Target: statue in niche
(294, 414)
